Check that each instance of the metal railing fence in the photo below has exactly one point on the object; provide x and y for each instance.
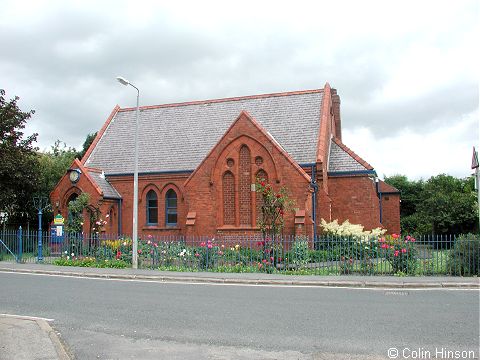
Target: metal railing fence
(323, 255)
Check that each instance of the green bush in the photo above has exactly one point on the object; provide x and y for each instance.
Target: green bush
(464, 258)
(400, 252)
(299, 254)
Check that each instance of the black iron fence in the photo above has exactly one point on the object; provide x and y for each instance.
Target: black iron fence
(323, 255)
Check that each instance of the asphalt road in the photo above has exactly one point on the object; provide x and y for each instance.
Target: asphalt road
(110, 319)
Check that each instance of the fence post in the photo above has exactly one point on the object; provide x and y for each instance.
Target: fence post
(40, 245)
(19, 239)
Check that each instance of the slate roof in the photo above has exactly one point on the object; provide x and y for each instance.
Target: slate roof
(107, 189)
(177, 137)
(341, 158)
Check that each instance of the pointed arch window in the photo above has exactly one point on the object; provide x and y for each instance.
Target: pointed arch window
(171, 208)
(228, 184)
(245, 186)
(152, 208)
(261, 176)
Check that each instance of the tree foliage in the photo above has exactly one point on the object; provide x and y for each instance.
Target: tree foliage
(19, 160)
(441, 205)
(86, 144)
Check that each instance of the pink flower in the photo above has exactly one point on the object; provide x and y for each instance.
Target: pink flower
(149, 236)
(202, 244)
(382, 240)
(396, 253)
(271, 258)
(404, 251)
(140, 251)
(209, 246)
(395, 236)
(220, 253)
(408, 237)
(197, 254)
(155, 244)
(412, 239)
(264, 261)
(384, 246)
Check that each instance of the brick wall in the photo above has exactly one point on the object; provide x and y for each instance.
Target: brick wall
(160, 183)
(391, 212)
(355, 199)
(204, 190)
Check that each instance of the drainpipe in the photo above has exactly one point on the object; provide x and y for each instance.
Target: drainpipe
(314, 186)
(379, 194)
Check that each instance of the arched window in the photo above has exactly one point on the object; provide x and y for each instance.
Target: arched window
(228, 198)
(152, 208)
(261, 176)
(245, 187)
(171, 208)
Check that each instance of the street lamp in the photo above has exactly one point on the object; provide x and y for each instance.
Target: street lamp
(125, 82)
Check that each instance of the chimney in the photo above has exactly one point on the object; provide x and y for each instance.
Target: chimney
(336, 113)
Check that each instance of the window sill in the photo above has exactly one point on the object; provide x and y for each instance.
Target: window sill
(238, 228)
(156, 227)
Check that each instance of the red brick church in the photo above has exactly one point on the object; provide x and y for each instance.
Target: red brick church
(198, 163)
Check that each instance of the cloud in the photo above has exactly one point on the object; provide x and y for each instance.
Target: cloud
(418, 155)
(401, 69)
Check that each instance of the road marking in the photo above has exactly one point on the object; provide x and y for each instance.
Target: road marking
(159, 281)
(26, 317)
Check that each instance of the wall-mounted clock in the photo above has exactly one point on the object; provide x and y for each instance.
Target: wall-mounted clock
(74, 175)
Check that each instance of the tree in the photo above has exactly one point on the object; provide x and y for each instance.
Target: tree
(18, 165)
(411, 193)
(52, 166)
(86, 144)
(449, 204)
(441, 205)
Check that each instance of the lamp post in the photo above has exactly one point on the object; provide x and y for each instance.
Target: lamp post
(40, 202)
(125, 82)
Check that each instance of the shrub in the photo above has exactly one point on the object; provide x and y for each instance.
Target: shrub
(207, 254)
(465, 256)
(400, 252)
(299, 254)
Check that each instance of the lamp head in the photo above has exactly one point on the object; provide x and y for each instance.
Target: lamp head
(122, 80)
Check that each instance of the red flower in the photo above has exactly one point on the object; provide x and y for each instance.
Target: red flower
(262, 183)
(396, 253)
(140, 251)
(271, 258)
(202, 244)
(404, 251)
(395, 236)
(279, 196)
(119, 254)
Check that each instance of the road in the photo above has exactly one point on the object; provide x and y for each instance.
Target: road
(112, 319)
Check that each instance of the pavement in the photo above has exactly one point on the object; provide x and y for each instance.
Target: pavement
(29, 338)
(23, 337)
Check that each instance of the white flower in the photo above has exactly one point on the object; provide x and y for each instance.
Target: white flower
(66, 252)
(73, 254)
(68, 257)
(107, 216)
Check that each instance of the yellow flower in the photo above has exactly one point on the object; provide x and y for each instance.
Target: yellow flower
(237, 247)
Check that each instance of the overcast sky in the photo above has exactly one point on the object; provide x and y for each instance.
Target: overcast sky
(407, 72)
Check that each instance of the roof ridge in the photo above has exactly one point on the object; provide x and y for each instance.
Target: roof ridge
(352, 153)
(219, 100)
